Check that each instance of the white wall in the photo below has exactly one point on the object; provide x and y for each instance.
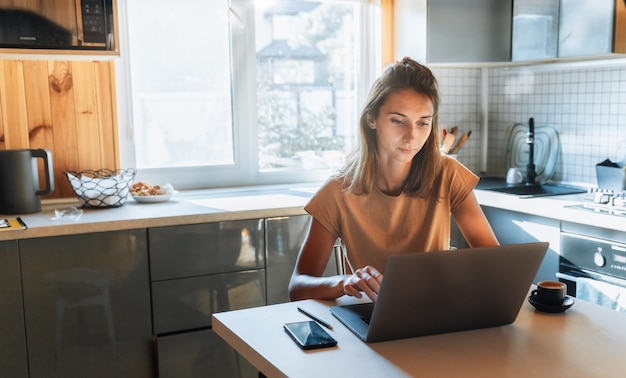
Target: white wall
(410, 23)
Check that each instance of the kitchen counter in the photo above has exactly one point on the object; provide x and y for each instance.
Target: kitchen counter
(553, 207)
(188, 207)
(201, 206)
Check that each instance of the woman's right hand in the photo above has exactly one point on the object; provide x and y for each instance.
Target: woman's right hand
(367, 280)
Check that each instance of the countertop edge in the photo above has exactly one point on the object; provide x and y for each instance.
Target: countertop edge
(189, 207)
(182, 211)
(72, 228)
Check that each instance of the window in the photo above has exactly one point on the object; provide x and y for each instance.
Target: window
(255, 92)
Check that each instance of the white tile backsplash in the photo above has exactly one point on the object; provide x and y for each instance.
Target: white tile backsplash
(461, 106)
(584, 102)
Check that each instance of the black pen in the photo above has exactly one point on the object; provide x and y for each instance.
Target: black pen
(320, 321)
(22, 223)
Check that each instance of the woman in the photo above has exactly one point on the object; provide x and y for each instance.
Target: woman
(394, 195)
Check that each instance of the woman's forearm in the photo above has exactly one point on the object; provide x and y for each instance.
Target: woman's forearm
(304, 286)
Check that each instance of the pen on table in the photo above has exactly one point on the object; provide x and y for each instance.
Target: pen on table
(320, 321)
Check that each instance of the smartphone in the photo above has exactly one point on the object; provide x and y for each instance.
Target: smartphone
(309, 335)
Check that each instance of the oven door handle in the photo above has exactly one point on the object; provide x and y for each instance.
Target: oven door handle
(567, 277)
(607, 279)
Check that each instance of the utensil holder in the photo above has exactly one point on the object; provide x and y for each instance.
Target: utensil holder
(613, 178)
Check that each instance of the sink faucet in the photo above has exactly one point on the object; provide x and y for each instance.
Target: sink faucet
(530, 140)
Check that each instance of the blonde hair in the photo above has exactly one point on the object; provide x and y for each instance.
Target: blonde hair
(361, 166)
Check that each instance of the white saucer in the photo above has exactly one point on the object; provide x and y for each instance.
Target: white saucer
(153, 199)
(567, 303)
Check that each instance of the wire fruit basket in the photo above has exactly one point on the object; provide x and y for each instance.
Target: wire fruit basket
(102, 188)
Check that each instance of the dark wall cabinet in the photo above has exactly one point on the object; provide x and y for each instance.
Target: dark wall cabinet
(592, 27)
(548, 29)
(535, 29)
(87, 305)
(469, 31)
(505, 32)
(13, 361)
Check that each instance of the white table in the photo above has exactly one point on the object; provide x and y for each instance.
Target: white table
(585, 341)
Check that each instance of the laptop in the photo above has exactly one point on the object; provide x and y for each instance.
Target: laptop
(446, 291)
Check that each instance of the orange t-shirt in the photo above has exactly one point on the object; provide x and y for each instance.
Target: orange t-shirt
(375, 225)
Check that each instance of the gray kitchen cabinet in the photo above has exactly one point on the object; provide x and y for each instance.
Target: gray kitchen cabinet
(197, 270)
(507, 32)
(469, 31)
(13, 362)
(592, 27)
(206, 248)
(511, 227)
(284, 237)
(87, 305)
(188, 303)
(453, 31)
(200, 353)
(535, 29)
(549, 29)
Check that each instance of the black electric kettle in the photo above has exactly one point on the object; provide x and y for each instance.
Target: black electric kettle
(19, 180)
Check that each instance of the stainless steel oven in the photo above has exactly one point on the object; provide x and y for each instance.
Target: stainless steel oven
(592, 264)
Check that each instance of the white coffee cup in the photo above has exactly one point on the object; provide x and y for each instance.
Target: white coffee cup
(514, 176)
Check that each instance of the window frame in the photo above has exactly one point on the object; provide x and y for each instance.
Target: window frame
(245, 170)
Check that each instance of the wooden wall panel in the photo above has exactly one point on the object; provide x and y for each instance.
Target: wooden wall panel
(107, 110)
(67, 107)
(2, 113)
(38, 108)
(38, 104)
(15, 126)
(86, 111)
(65, 155)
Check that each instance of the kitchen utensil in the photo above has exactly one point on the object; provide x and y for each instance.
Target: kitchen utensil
(462, 139)
(448, 139)
(546, 150)
(611, 176)
(514, 176)
(20, 189)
